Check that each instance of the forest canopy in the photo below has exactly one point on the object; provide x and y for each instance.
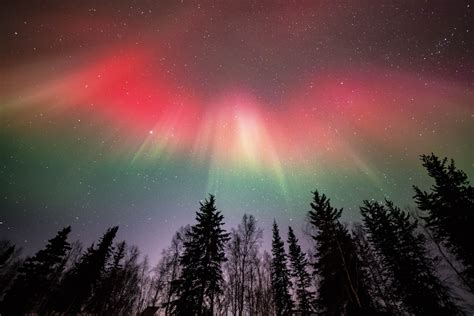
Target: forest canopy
(414, 261)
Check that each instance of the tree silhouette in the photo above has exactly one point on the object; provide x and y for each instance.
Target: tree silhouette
(263, 291)
(201, 275)
(281, 283)
(168, 270)
(106, 287)
(242, 254)
(449, 209)
(37, 276)
(299, 264)
(79, 283)
(342, 287)
(380, 287)
(414, 278)
(381, 268)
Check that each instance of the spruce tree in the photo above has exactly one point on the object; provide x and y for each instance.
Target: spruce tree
(201, 279)
(449, 209)
(280, 276)
(78, 284)
(299, 264)
(342, 283)
(37, 276)
(414, 278)
(379, 283)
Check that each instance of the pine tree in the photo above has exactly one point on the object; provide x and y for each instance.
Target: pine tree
(281, 283)
(201, 276)
(414, 278)
(79, 283)
(299, 263)
(342, 284)
(37, 276)
(449, 209)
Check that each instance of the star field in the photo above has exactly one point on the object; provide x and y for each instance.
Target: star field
(130, 113)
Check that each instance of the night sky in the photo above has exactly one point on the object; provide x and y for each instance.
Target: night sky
(131, 112)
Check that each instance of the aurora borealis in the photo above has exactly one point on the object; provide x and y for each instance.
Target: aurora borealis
(129, 113)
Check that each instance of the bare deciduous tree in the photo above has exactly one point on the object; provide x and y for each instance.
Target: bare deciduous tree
(242, 256)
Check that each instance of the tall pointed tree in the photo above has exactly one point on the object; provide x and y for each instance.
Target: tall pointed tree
(394, 237)
(79, 283)
(281, 283)
(449, 209)
(201, 275)
(299, 264)
(37, 276)
(342, 284)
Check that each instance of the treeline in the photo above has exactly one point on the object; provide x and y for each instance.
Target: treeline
(389, 264)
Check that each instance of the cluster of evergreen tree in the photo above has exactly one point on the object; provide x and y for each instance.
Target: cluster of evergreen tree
(381, 266)
(105, 279)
